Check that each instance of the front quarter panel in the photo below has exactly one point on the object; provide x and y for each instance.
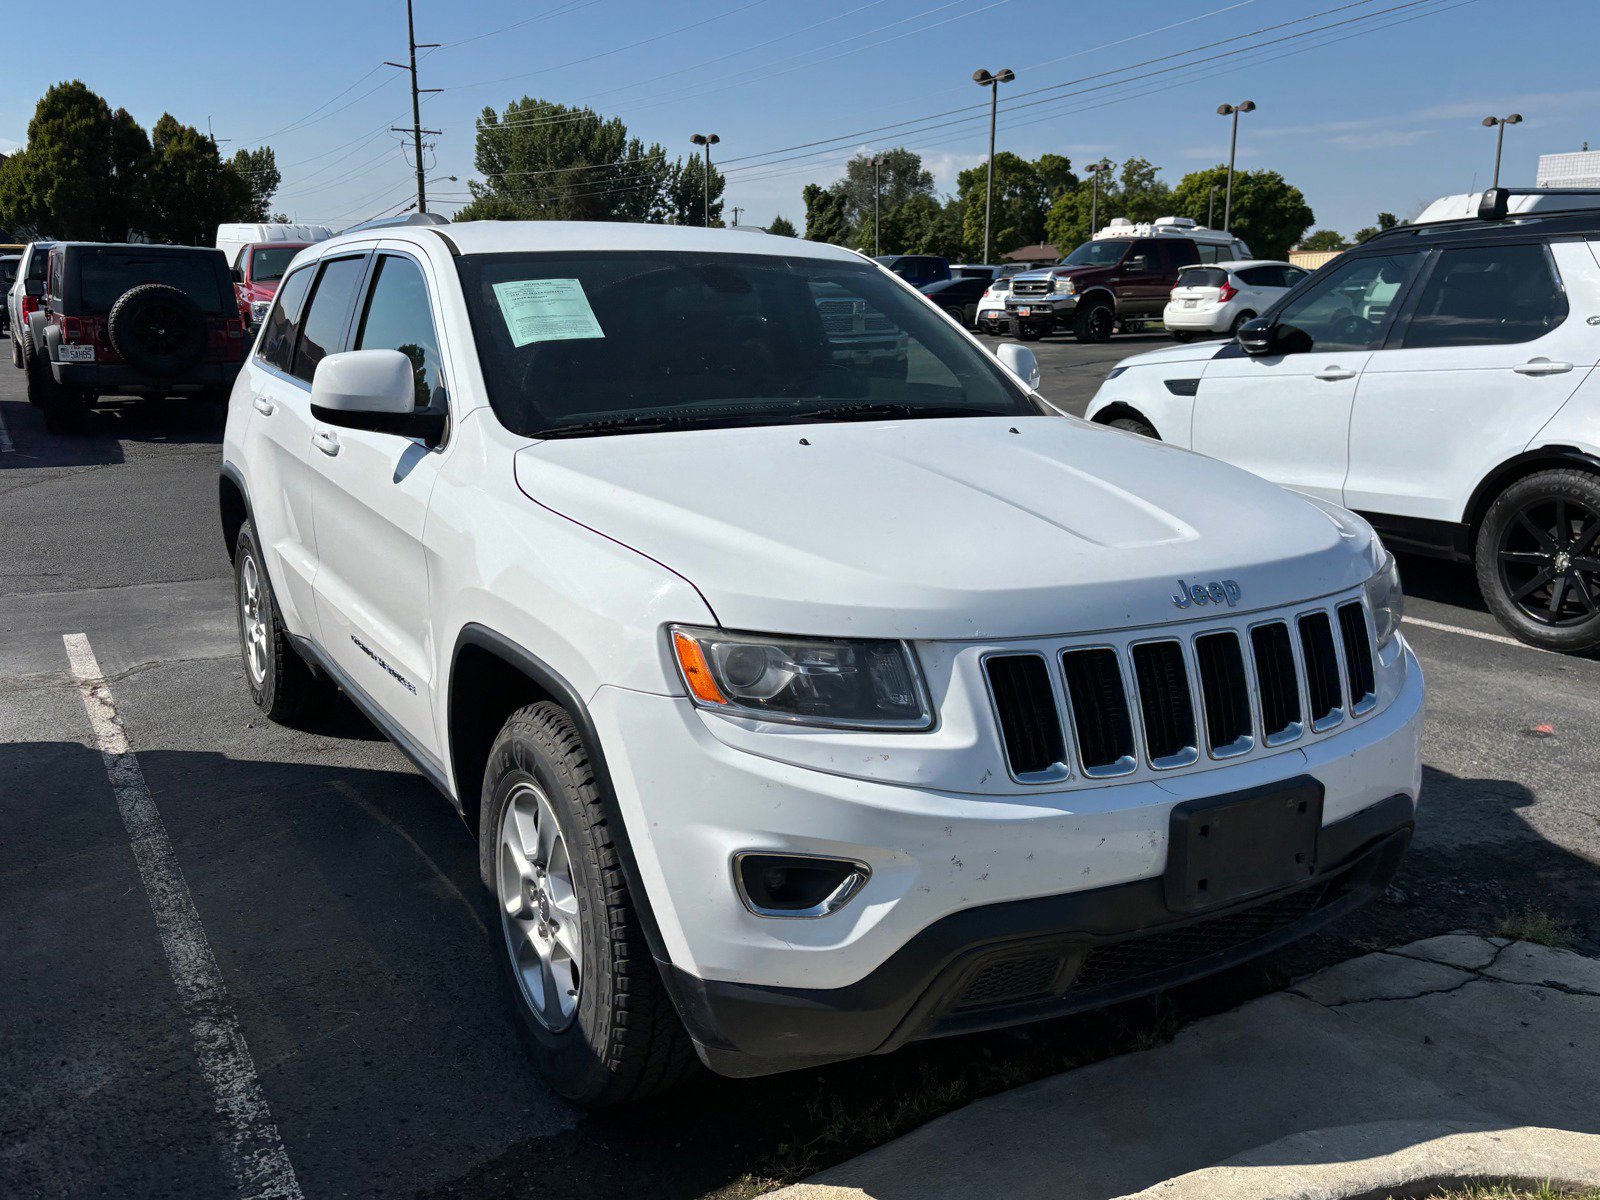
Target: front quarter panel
(1143, 389)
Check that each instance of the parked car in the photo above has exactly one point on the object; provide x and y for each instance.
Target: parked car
(1220, 298)
(9, 263)
(1439, 378)
(991, 271)
(22, 297)
(916, 269)
(959, 297)
(256, 272)
(992, 315)
(132, 320)
(1120, 278)
(233, 239)
(799, 712)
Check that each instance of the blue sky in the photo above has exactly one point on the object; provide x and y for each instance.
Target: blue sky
(1360, 121)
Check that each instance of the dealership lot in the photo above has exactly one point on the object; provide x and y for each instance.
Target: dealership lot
(340, 899)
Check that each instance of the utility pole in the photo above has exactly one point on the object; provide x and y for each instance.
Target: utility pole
(983, 78)
(1232, 110)
(736, 211)
(1095, 170)
(416, 130)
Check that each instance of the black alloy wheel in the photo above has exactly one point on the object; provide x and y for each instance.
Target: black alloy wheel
(1538, 559)
(1095, 322)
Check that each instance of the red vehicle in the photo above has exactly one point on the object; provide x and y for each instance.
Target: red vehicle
(256, 273)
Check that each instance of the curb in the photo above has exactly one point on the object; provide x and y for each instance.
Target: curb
(1388, 1158)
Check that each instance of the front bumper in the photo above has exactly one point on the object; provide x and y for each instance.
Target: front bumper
(1032, 960)
(120, 379)
(1051, 307)
(694, 789)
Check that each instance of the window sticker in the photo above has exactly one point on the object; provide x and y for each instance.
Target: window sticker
(546, 310)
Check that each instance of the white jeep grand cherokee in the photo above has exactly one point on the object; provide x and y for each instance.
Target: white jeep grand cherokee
(801, 710)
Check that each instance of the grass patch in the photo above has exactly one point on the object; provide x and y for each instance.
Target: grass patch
(1536, 926)
(1507, 1191)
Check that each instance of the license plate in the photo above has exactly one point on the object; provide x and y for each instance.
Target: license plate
(1227, 848)
(76, 354)
(1024, 312)
(1191, 304)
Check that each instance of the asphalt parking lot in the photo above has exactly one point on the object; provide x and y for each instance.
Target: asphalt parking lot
(339, 896)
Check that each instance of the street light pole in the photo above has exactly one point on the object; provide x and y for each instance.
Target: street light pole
(983, 78)
(1095, 170)
(877, 192)
(1211, 208)
(1500, 138)
(707, 140)
(1233, 110)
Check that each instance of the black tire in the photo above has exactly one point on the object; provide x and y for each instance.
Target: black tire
(1178, 336)
(157, 328)
(1247, 315)
(16, 348)
(1538, 560)
(1094, 322)
(1135, 425)
(1030, 333)
(284, 687)
(624, 1040)
(36, 373)
(957, 314)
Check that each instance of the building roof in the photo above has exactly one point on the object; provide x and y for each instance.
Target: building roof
(1039, 252)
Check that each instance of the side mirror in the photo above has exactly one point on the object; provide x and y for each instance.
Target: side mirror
(238, 275)
(1020, 361)
(1255, 337)
(375, 390)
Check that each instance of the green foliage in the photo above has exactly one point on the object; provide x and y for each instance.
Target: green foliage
(923, 225)
(1385, 221)
(826, 219)
(78, 174)
(782, 226)
(901, 177)
(548, 162)
(1322, 239)
(1268, 212)
(90, 173)
(187, 190)
(1135, 192)
(1023, 195)
(259, 170)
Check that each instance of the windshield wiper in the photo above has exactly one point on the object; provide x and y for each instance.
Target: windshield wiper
(874, 411)
(641, 423)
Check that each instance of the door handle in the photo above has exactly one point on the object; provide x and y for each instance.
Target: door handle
(264, 406)
(1335, 374)
(326, 442)
(1542, 366)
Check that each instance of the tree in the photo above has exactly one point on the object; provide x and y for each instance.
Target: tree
(686, 193)
(1385, 221)
(1268, 212)
(782, 226)
(1322, 239)
(1136, 193)
(1022, 200)
(825, 215)
(923, 225)
(187, 190)
(78, 176)
(900, 176)
(258, 169)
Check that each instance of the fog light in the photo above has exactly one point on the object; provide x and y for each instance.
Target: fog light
(794, 885)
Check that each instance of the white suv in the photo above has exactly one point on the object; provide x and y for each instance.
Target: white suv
(1439, 379)
(800, 710)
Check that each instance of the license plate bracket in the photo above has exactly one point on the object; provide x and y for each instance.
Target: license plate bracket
(1223, 849)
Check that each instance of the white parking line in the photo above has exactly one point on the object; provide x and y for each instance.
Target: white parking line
(260, 1165)
(1474, 633)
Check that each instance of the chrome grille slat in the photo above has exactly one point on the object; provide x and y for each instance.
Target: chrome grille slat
(1139, 702)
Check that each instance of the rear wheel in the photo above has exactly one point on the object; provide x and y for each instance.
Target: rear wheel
(1094, 322)
(596, 1013)
(957, 314)
(1247, 315)
(1179, 336)
(1538, 560)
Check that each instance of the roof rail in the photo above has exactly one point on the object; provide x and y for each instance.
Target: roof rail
(398, 222)
(1496, 202)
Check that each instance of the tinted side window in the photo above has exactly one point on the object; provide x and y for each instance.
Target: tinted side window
(398, 317)
(1181, 253)
(1488, 296)
(283, 322)
(1345, 309)
(1271, 277)
(1213, 254)
(322, 331)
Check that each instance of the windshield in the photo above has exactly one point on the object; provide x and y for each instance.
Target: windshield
(269, 264)
(642, 340)
(1096, 254)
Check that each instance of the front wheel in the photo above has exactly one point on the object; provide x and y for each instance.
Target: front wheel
(601, 1026)
(281, 685)
(1135, 425)
(1094, 322)
(1538, 560)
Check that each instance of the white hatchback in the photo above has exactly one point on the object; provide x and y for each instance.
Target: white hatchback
(1216, 298)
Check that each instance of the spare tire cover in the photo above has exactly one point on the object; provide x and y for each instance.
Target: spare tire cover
(157, 328)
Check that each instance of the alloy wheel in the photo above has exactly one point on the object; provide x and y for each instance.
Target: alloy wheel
(1549, 563)
(254, 620)
(539, 913)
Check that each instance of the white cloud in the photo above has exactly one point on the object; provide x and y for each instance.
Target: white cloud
(1381, 139)
(9, 146)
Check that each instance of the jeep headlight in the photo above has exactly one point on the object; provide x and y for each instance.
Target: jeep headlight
(1064, 286)
(842, 683)
(1387, 602)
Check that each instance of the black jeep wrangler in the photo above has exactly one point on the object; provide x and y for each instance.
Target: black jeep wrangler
(133, 320)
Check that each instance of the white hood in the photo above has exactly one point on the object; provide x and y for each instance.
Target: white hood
(1199, 352)
(951, 529)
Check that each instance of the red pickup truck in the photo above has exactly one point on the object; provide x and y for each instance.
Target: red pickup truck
(256, 273)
